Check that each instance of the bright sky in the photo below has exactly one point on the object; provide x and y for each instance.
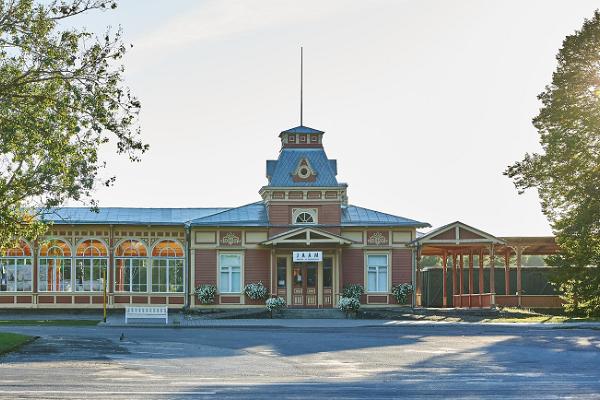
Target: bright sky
(424, 103)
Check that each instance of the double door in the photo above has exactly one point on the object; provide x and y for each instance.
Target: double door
(304, 284)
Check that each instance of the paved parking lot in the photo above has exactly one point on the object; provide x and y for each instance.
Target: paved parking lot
(478, 361)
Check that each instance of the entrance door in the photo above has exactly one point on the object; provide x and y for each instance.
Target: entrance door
(304, 284)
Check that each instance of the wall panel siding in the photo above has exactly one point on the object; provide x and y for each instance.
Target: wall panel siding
(401, 266)
(353, 270)
(257, 266)
(205, 267)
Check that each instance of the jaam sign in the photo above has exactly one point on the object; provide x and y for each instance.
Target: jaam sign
(307, 256)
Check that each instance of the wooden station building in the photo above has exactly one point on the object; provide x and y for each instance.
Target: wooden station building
(302, 239)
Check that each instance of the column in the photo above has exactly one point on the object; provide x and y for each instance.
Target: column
(444, 274)
(471, 278)
(492, 275)
(480, 256)
(519, 250)
(460, 278)
(507, 272)
(454, 265)
(418, 289)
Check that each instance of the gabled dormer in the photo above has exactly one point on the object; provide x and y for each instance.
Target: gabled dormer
(301, 136)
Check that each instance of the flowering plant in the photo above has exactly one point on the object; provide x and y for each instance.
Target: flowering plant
(349, 304)
(401, 292)
(353, 291)
(206, 293)
(275, 304)
(256, 291)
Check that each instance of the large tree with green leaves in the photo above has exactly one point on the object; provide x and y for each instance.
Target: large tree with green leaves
(62, 97)
(567, 172)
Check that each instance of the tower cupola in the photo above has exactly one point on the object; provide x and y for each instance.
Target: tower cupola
(301, 136)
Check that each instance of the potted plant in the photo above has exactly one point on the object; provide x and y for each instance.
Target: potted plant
(349, 305)
(206, 293)
(256, 291)
(276, 304)
(401, 292)
(353, 291)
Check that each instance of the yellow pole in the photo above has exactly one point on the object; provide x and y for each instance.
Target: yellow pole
(104, 296)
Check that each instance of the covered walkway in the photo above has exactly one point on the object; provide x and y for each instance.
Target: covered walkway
(473, 257)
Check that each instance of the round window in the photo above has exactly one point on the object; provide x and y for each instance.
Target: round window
(304, 172)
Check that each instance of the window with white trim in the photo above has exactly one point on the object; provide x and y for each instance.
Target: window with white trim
(377, 273)
(16, 269)
(130, 267)
(230, 267)
(91, 264)
(304, 216)
(167, 267)
(54, 267)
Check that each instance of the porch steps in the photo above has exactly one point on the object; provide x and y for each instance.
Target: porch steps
(307, 313)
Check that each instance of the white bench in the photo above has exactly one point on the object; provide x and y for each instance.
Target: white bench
(145, 312)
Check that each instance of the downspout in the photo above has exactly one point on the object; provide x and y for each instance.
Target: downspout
(188, 268)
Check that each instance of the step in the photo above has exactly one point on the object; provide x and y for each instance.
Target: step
(307, 313)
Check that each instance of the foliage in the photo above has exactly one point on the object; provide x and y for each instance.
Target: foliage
(206, 293)
(256, 291)
(353, 290)
(275, 304)
(567, 173)
(401, 292)
(62, 98)
(349, 304)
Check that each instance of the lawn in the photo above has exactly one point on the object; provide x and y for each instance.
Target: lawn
(522, 315)
(49, 322)
(12, 341)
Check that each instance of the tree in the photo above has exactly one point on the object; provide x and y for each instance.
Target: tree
(62, 97)
(567, 173)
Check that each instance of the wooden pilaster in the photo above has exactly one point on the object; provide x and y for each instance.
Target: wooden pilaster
(444, 275)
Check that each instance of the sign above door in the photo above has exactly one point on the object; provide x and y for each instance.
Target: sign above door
(307, 256)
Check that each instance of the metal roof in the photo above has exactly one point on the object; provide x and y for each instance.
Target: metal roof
(127, 216)
(360, 216)
(302, 129)
(280, 171)
(254, 214)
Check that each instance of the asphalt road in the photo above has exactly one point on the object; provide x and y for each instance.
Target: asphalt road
(379, 363)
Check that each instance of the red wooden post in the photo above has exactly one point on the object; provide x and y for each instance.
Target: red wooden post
(480, 277)
(471, 278)
(519, 281)
(453, 277)
(444, 292)
(460, 278)
(507, 272)
(492, 273)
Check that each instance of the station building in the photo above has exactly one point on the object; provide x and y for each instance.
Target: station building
(302, 239)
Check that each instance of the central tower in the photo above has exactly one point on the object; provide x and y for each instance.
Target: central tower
(302, 187)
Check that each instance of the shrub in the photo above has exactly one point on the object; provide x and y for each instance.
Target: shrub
(401, 292)
(349, 304)
(206, 293)
(353, 291)
(256, 291)
(275, 304)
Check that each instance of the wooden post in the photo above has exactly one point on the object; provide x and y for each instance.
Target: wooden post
(519, 251)
(471, 278)
(444, 291)
(460, 278)
(453, 277)
(480, 277)
(419, 278)
(492, 274)
(507, 272)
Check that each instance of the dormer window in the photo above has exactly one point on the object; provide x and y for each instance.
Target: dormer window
(292, 138)
(304, 216)
(302, 138)
(314, 138)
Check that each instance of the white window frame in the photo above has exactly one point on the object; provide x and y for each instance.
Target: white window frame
(104, 261)
(146, 264)
(171, 263)
(388, 273)
(12, 264)
(43, 263)
(230, 274)
(313, 212)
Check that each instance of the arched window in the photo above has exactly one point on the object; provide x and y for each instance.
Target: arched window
(131, 272)
(15, 269)
(305, 218)
(54, 270)
(90, 262)
(167, 267)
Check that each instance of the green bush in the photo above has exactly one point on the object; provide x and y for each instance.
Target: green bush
(206, 293)
(353, 291)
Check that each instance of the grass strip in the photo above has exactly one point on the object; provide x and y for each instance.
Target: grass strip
(12, 341)
(48, 322)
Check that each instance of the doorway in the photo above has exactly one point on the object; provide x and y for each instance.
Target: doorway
(304, 284)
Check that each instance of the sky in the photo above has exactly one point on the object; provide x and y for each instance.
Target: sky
(424, 103)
